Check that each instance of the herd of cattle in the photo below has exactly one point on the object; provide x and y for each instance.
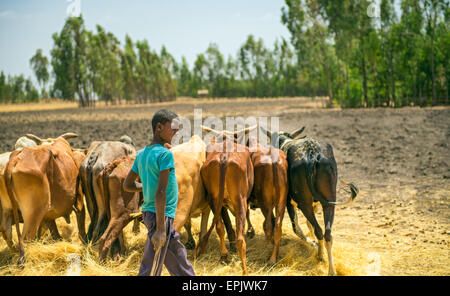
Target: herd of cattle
(44, 179)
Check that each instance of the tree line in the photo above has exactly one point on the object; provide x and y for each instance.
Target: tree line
(354, 53)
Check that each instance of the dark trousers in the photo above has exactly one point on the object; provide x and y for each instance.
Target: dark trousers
(173, 253)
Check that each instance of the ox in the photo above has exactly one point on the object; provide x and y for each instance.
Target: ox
(99, 155)
(312, 177)
(227, 175)
(269, 191)
(121, 204)
(5, 204)
(41, 181)
(188, 158)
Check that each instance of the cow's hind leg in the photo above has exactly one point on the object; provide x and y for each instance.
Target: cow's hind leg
(190, 244)
(204, 222)
(309, 214)
(111, 234)
(230, 231)
(277, 231)
(250, 229)
(240, 228)
(33, 202)
(51, 224)
(296, 226)
(136, 226)
(223, 249)
(6, 227)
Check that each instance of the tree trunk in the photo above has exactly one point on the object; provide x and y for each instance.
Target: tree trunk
(391, 72)
(433, 79)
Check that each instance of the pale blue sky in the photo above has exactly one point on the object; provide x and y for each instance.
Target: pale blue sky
(184, 27)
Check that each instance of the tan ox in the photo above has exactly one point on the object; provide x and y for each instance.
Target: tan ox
(41, 181)
(5, 204)
(188, 158)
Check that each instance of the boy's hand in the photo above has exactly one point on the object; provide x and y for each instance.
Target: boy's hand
(158, 239)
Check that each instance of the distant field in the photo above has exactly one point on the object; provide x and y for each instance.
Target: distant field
(399, 225)
(60, 104)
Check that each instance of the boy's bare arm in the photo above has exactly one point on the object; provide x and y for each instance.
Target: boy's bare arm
(159, 238)
(130, 184)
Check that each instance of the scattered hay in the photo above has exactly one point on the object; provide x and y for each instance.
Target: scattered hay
(71, 257)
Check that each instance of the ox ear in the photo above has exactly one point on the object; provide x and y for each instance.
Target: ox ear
(296, 133)
(34, 138)
(68, 136)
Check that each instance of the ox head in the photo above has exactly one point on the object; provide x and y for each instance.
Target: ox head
(49, 141)
(227, 135)
(23, 142)
(126, 139)
(281, 136)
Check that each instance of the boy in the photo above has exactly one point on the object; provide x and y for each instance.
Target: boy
(155, 166)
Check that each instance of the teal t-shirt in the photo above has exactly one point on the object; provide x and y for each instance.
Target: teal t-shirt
(148, 163)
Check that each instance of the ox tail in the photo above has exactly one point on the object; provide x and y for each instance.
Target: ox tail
(311, 170)
(8, 183)
(89, 194)
(218, 207)
(276, 184)
(105, 180)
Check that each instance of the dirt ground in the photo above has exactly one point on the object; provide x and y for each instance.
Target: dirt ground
(399, 158)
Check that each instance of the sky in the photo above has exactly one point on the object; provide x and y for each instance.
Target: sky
(186, 28)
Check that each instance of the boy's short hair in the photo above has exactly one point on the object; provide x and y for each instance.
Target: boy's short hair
(162, 116)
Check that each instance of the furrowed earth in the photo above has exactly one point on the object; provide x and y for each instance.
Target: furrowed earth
(399, 159)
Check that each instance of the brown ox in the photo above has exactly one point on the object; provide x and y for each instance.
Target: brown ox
(41, 181)
(269, 190)
(227, 175)
(99, 155)
(121, 205)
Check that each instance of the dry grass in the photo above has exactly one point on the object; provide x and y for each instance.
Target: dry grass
(55, 104)
(46, 257)
(369, 239)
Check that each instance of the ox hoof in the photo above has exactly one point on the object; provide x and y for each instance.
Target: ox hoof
(332, 273)
(271, 263)
(224, 259)
(190, 245)
(251, 233)
(117, 257)
(21, 262)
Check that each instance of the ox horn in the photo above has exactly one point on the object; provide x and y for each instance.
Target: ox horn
(34, 138)
(266, 131)
(245, 130)
(210, 130)
(69, 136)
(296, 133)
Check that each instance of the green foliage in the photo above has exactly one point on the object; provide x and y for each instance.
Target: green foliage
(17, 89)
(335, 49)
